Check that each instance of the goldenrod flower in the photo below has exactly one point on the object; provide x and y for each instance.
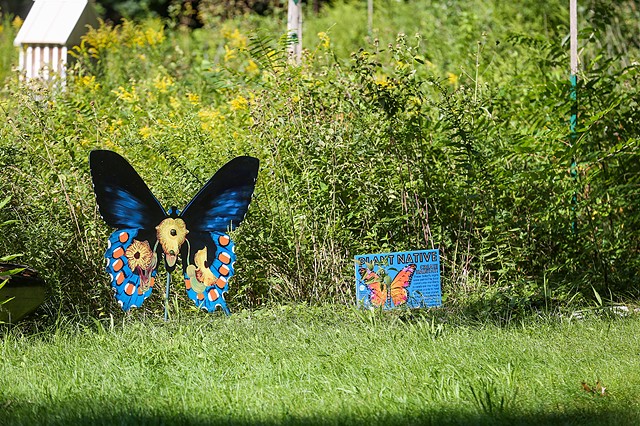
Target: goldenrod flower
(17, 23)
(229, 53)
(240, 103)
(251, 67)
(162, 83)
(193, 98)
(453, 79)
(325, 41)
(145, 132)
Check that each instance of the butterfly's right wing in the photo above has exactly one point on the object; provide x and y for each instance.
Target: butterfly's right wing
(399, 294)
(219, 207)
(126, 203)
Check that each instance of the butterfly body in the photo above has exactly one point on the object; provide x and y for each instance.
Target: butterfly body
(146, 233)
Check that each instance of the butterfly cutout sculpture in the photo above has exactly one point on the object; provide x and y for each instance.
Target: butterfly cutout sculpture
(146, 234)
(384, 291)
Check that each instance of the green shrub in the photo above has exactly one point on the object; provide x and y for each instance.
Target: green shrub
(410, 142)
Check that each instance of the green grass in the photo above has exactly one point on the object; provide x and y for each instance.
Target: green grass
(321, 366)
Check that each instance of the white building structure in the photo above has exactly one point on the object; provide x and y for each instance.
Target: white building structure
(51, 28)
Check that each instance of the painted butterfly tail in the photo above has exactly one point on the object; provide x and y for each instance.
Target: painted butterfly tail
(207, 274)
(132, 266)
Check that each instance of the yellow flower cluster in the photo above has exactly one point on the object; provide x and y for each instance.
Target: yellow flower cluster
(325, 41)
(163, 83)
(17, 23)
(235, 42)
(193, 98)
(128, 34)
(129, 96)
(145, 132)
(209, 118)
(240, 103)
(88, 82)
(382, 80)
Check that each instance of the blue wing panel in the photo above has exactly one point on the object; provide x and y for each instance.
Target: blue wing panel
(207, 285)
(131, 264)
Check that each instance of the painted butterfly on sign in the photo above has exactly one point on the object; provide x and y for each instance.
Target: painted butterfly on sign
(145, 232)
(386, 291)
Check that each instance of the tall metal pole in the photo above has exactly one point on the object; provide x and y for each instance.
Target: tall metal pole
(294, 30)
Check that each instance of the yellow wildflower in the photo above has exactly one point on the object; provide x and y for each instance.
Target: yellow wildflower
(145, 132)
(193, 98)
(381, 80)
(240, 103)
(126, 95)
(162, 83)
(174, 102)
(17, 23)
(325, 41)
(88, 81)
(229, 53)
(209, 118)
(251, 67)
(153, 36)
(453, 79)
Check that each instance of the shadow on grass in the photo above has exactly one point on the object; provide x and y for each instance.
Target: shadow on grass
(23, 413)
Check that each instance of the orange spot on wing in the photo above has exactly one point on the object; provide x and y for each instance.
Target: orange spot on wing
(213, 295)
(129, 289)
(152, 281)
(200, 296)
(123, 237)
(187, 284)
(224, 270)
(224, 257)
(117, 265)
(118, 252)
(221, 282)
(119, 278)
(224, 240)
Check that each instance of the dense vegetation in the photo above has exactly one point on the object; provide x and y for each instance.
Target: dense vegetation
(447, 127)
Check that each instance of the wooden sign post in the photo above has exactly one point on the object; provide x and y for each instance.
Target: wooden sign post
(294, 30)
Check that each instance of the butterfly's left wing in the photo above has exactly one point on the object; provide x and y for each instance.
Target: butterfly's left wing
(399, 294)
(126, 203)
(376, 286)
(220, 206)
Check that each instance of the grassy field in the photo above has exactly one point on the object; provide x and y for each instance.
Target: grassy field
(322, 366)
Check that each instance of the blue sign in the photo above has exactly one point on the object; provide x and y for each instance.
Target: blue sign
(389, 280)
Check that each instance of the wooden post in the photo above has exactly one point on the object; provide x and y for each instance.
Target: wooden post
(294, 30)
(573, 35)
(573, 94)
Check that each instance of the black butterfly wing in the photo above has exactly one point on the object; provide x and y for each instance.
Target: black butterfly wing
(223, 202)
(220, 206)
(124, 200)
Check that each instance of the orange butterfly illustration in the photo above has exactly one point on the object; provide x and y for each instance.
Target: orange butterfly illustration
(383, 289)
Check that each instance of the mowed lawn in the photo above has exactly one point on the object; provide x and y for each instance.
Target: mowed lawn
(330, 365)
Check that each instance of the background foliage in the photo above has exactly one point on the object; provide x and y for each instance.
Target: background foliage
(445, 127)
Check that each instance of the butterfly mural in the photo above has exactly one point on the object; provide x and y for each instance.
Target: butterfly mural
(386, 291)
(146, 234)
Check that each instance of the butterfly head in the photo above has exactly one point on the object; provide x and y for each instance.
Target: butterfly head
(171, 233)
